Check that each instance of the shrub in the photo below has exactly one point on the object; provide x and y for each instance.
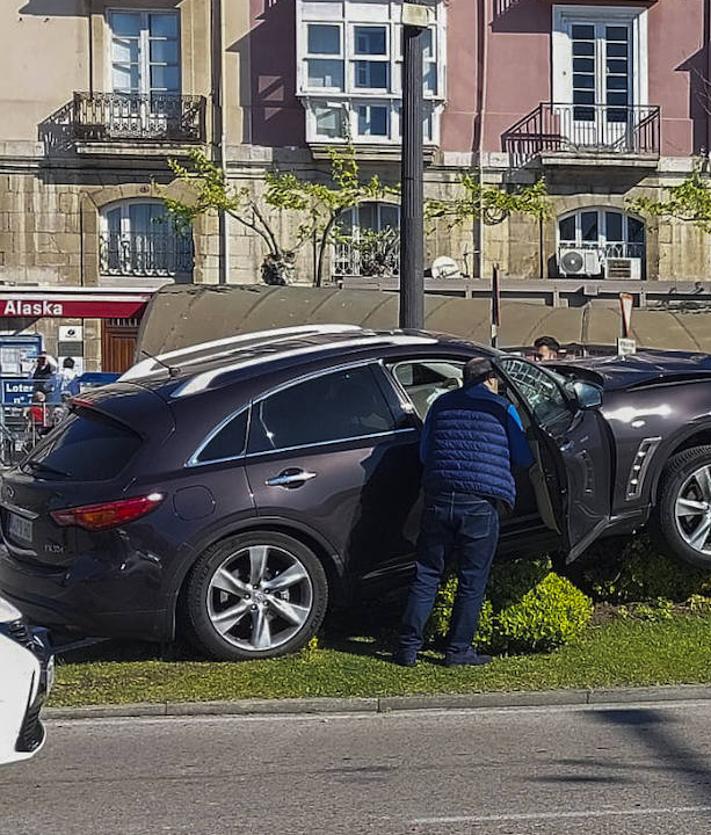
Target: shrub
(637, 572)
(528, 609)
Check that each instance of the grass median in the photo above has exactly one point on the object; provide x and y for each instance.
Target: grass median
(618, 653)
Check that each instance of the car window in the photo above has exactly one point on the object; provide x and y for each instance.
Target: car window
(425, 380)
(228, 442)
(86, 447)
(541, 391)
(336, 406)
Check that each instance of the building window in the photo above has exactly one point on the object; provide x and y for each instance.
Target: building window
(350, 70)
(137, 239)
(604, 234)
(368, 241)
(599, 73)
(145, 53)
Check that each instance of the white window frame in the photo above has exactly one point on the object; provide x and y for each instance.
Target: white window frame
(351, 97)
(602, 241)
(145, 62)
(565, 16)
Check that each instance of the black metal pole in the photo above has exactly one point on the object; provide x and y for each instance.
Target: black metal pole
(412, 280)
(495, 306)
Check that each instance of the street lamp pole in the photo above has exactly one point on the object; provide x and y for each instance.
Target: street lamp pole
(415, 19)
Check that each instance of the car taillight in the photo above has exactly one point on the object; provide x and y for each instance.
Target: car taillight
(101, 517)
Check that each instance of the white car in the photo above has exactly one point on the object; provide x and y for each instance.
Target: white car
(26, 677)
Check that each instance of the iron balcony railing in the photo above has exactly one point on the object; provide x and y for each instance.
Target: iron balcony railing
(611, 249)
(558, 128)
(352, 259)
(146, 254)
(153, 117)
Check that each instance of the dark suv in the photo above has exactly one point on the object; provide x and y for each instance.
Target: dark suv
(238, 486)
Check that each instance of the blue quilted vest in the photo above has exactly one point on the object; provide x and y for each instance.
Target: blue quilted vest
(468, 447)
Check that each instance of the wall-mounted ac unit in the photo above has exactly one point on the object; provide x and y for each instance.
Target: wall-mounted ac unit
(579, 262)
(623, 269)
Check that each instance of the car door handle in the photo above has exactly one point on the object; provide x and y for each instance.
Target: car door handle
(290, 478)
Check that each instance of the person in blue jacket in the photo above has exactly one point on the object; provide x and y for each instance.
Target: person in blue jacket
(471, 441)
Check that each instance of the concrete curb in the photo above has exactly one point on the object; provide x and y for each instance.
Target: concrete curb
(387, 704)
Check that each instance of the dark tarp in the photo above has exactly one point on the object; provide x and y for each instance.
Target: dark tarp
(179, 316)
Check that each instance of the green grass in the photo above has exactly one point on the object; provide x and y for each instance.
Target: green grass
(619, 653)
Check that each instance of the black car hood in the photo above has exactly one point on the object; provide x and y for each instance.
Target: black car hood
(642, 369)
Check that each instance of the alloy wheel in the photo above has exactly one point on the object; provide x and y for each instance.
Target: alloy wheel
(692, 510)
(259, 598)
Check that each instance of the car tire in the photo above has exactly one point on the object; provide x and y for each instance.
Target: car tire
(255, 595)
(678, 527)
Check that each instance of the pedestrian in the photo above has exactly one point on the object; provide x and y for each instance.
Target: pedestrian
(69, 379)
(471, 440)
(37, 416)
(546, 348)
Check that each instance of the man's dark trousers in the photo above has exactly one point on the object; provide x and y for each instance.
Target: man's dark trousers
(457, 526)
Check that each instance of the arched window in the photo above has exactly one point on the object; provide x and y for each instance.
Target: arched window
(138, 239)
(367, 241)
(613, 233)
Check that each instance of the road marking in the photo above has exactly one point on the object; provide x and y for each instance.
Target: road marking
(542, 816)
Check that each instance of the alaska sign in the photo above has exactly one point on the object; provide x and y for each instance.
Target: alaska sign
(67, 307)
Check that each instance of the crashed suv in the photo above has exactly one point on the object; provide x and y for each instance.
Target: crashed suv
(237, 488)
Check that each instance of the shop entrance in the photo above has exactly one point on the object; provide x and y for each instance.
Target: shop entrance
(118, 344)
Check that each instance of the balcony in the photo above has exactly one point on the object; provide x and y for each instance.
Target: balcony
(146, 254)
(599, 134)
(133, 118)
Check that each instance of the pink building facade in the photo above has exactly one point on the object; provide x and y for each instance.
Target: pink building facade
(607, 101)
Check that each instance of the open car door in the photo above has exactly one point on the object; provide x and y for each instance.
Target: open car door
(572, 447)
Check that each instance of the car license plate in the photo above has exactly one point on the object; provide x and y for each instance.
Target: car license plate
(20, 528)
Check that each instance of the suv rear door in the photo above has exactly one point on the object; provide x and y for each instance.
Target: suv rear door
(573, 449)
(330, 455)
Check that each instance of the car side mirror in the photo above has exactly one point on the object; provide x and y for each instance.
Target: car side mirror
(587, 395)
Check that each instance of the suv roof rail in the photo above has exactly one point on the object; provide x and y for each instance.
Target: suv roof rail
(202, 381)
(216, 348)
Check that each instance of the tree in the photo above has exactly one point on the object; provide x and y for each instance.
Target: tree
(324, 203)
(690, 202)
(490, 203)
(213, 193)
(320, 203)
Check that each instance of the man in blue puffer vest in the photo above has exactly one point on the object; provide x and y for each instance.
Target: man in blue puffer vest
(471, 440)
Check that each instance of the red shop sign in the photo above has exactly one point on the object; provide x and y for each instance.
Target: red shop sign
(33, 308)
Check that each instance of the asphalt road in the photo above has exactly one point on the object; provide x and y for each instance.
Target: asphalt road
(628, 770)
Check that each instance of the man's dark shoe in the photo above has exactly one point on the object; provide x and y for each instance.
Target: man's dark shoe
(466, 659)
(404, 658)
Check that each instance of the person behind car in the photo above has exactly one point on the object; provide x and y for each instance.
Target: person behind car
(470, 441)
(38, 415)
(69, 382)
(546, 348)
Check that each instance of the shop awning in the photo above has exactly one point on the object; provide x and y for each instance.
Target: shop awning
(179, 316)
(72, 302)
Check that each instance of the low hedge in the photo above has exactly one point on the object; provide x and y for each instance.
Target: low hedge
(528, 609)
(635, 570)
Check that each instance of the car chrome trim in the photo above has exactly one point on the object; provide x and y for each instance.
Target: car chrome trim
(193, 460)
(354, 439)
(640, 467)
(19, 511)
(202, 382)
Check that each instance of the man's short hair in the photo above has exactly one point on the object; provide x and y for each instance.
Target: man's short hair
(477, 370)
(547, 342)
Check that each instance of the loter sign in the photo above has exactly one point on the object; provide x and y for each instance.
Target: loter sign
(33, 308)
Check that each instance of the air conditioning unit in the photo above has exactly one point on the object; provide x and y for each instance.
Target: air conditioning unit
(623, 269)
(579, 262)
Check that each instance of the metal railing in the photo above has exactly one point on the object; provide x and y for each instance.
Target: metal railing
(151, 117)
(23, 426)
(146, 254)
(559, 128)
(351, 259)
(619, 249)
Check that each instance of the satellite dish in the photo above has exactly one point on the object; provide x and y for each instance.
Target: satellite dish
(445, 267)
(572, 262)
